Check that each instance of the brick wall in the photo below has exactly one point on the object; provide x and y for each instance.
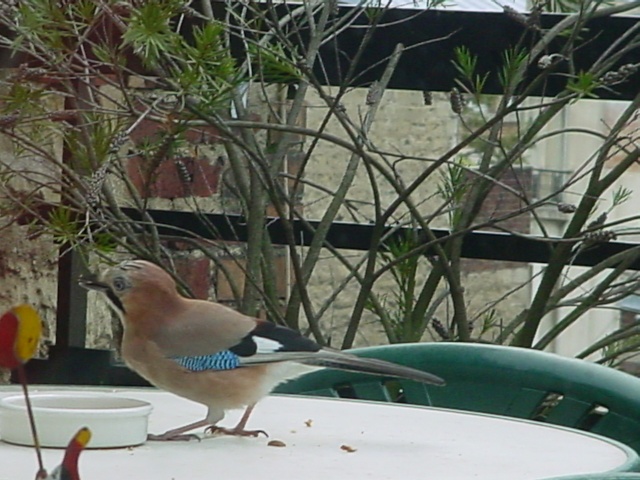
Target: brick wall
(503, 199)
(199, 172)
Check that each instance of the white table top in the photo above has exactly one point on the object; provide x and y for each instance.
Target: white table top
(390, 442)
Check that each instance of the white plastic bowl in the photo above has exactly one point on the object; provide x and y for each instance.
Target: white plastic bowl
(114, 421)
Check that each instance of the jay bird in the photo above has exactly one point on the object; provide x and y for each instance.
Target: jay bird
(211, 354)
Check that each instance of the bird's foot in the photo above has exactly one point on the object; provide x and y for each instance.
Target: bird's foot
(237, 432)
(169, 437)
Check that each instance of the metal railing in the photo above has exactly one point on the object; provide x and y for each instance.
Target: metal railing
(549, 183)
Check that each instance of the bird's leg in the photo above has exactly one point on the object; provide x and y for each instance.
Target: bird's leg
(239, 429)
(179, 433)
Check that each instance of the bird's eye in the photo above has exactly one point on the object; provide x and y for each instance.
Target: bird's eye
(119, 284)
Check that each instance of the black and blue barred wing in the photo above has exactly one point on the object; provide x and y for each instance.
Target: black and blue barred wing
(225, 360)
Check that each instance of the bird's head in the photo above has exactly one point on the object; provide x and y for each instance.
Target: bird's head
(132, 282)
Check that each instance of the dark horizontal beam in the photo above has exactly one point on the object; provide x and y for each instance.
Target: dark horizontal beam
(430, 37)
(482, 245)
(67, 365)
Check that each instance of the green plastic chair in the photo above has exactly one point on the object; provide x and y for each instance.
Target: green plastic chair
(514, 382)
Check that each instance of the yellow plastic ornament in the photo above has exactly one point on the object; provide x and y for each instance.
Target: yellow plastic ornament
(20, 331)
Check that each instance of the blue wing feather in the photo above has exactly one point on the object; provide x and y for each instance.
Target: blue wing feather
(225, 360)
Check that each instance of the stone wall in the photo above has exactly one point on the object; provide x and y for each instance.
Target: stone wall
(404, 124)
(28, 260)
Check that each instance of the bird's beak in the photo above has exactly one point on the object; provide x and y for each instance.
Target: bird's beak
(91, 282)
